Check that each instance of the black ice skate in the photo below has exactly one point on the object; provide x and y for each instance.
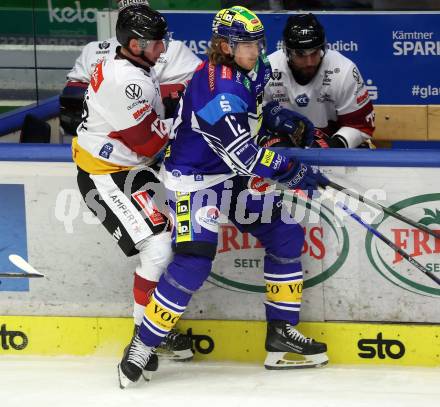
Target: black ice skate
(139, 359)
(289, 349)
(176, 346)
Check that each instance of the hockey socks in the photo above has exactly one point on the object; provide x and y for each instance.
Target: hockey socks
(184, 276)
(284, 283)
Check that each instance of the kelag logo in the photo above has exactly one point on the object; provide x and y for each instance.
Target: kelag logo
(13, 234)
(239, 259)
(381, 348)
(418, 244)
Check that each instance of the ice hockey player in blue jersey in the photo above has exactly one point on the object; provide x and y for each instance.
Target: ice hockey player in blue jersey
(208, 172)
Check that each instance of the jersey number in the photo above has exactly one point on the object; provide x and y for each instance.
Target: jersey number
(85, 113)
(159, 127)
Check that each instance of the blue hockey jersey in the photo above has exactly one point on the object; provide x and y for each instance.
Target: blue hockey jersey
(215, 128)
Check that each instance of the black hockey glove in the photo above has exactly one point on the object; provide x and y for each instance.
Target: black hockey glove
(322, 140)
(267, 138)
(170, 103)
(71, 107)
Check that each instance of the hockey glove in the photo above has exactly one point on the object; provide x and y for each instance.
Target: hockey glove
(322, 140)
(303, 176)
(267, 138)
(288, 123)
(171, 102)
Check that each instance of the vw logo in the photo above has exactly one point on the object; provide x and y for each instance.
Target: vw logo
(133, 91)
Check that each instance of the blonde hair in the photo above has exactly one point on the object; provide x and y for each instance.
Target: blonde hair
(216, 55)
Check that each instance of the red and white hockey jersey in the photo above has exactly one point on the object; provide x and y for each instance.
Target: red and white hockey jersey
(176, 66)
(336, 100)
(122, 126)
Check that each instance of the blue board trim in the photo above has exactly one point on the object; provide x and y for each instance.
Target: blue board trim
(325, 157)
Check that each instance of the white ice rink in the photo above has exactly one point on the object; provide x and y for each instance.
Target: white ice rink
(87, 382)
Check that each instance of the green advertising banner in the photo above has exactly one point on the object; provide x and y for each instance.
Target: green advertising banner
(68, 22)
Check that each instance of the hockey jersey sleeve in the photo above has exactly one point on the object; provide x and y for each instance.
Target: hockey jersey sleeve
(224, 124)
(177, 65)
(132, 111)
(355, 112)
(84, 64)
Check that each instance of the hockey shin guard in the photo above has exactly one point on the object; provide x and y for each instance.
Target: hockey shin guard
(184, 276)
(282, 270)
(154, 255)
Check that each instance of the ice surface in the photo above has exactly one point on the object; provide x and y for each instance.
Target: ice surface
(92, 381)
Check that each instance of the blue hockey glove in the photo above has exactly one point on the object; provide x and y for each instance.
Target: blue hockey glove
(287, 122)
(303, 176)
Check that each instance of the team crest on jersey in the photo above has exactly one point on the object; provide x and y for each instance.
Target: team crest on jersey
(133, 91)
(97, 77)
(302, 100)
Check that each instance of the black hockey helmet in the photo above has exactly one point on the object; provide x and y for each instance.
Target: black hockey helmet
(303, 32)
(140, 22)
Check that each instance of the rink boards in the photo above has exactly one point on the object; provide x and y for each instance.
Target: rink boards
(350, 277)
(243, 341)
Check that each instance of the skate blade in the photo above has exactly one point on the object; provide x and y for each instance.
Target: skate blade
(147, 375)
(290, 360)
(176, 355)
(124, 381)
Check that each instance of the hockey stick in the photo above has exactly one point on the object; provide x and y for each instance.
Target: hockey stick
(386, 210)
(384, 239)
(29, 271)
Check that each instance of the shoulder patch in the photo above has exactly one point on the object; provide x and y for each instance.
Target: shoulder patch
(97, 77)
(224, 103)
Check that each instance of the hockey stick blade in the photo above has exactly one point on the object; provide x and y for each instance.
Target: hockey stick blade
(20, 275)
(386, 210)
(22, 264)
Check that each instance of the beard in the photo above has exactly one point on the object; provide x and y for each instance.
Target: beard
(304, 75)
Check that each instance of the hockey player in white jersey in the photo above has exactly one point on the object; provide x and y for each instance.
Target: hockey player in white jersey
(121, 134)
(321, 84)
(174, 69)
